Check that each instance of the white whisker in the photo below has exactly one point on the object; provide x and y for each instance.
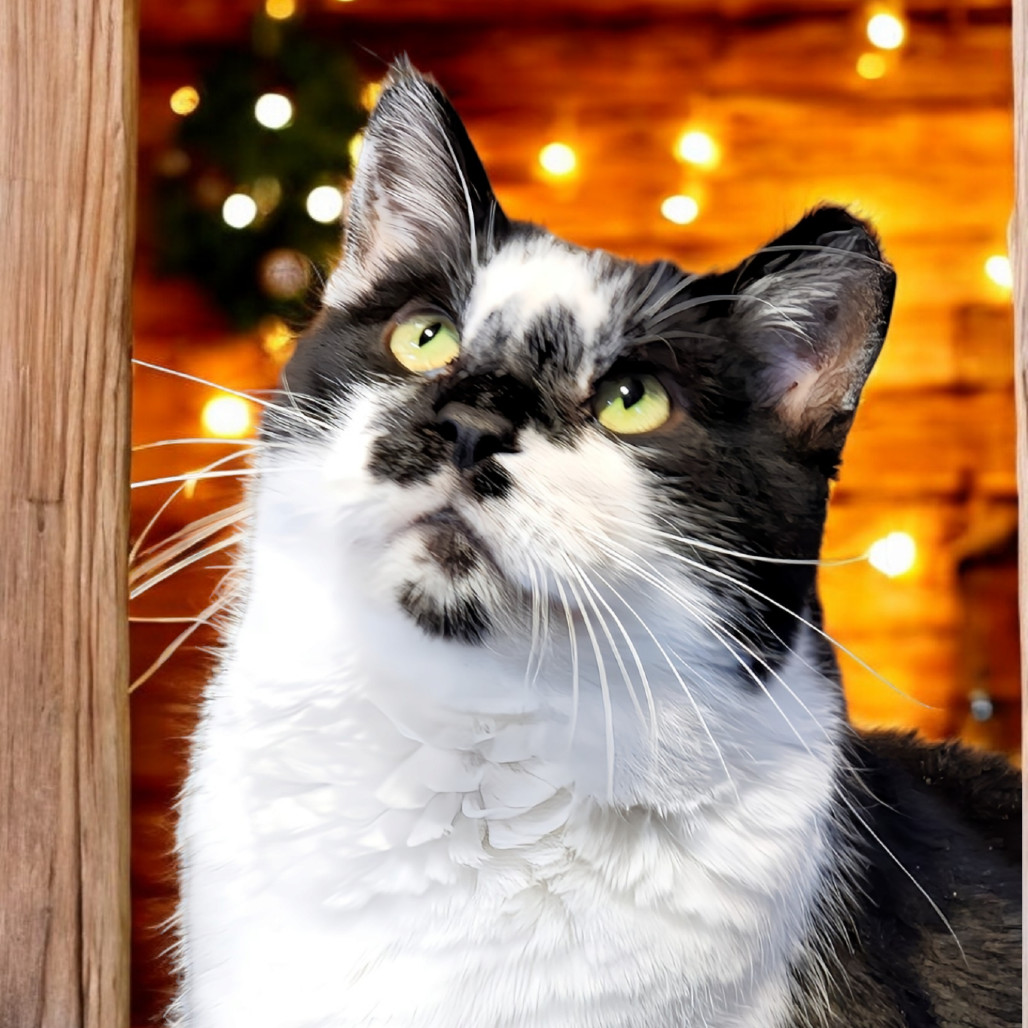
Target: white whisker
(165, 655)
(221, 544)
(601, 669)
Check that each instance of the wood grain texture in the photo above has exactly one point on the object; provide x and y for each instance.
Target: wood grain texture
(1019, 252)
(67, 136)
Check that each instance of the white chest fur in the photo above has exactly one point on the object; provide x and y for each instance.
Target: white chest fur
(358, 861)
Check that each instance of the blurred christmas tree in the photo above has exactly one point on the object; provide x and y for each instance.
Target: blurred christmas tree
(250, 194)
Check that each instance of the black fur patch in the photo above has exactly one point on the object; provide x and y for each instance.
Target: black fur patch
(950, 819)
(462, 620)
(448, 544)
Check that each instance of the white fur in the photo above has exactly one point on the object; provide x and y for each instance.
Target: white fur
(526, 278)
(382, 828)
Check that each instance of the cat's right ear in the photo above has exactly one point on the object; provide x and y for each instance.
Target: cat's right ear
(420, 192)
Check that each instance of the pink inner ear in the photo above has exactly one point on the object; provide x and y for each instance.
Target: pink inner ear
(797, 396)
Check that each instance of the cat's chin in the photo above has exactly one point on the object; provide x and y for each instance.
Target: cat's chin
(442, 575)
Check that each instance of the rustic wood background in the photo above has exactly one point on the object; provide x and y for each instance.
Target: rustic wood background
(924, 151)
(67, 152)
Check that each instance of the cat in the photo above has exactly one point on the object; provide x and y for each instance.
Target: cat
(526, 717)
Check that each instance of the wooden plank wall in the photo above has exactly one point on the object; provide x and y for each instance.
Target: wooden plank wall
(67, 155)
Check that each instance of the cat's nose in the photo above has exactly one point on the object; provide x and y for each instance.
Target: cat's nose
(475, 434)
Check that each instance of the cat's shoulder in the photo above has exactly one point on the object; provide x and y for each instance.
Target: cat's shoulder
(968, 789)
(935, 907)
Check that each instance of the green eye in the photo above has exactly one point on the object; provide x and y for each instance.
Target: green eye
(425, 342)
(631, 404)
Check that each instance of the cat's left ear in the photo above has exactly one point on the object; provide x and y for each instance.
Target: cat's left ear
(813, 307)
(420, 192)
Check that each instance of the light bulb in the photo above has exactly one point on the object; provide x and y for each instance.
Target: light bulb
(893, 555)
(280, 10)
(185, 100)
(273, 110)
(696, 147)
(226, 416)
(558, 159)
(682, 210)
(325, 204)
(886, 31)
(239, 210)
(999, 269)
(871, 66)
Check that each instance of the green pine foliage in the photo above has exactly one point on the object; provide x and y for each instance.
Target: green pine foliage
(221, 148)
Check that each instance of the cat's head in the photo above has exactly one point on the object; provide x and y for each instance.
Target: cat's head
(501, 421)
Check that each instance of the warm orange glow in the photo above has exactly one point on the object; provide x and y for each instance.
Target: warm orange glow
(558, 160)
(226, 416)
(871, 66)
(185, 100)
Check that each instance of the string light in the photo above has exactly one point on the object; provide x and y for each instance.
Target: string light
(370, 92)
(558, 160)
(999, 269)
(189, 488)
(276, 339)
(185, 100)
(699, 148)
(239, 210)
(280, 10)
(871, 66)
(273, 110)
(680, 209)
(226, 416)
(354, 148)
(886, 31)
(325, 204)
(893, 555)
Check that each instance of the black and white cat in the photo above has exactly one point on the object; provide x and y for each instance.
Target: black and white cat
(526, 717)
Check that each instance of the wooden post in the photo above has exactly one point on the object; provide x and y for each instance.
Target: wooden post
(1019, 256)
(67, 160)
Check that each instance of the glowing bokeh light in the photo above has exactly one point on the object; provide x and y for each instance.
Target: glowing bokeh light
(185, 100)
(699, 148)
(280, 10)
(558, 159)
(893, 555)
(226, 416)
(682, 210)
(276, 339)
(273, 110)
(871, 66)
(354, 148)
(239, 210)
(370, 92)
(1000, 270)
(886, 31)
(325, 204)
